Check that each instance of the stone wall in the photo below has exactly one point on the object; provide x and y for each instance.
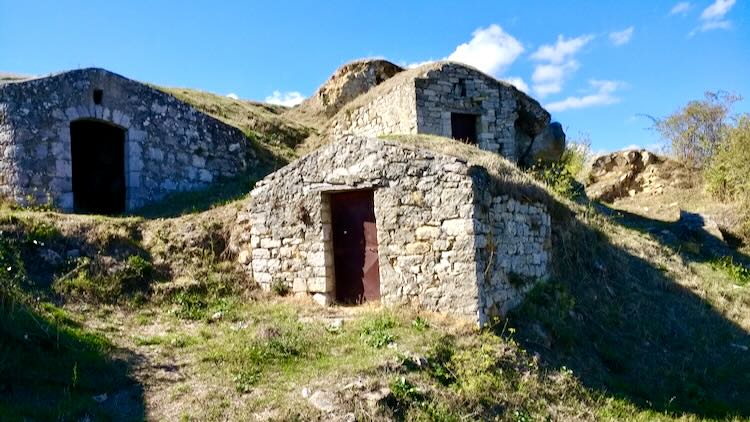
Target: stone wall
(421, 100)
(389, 111)
(513, 248)
(169, 146)
(423, 214)
(432, 228)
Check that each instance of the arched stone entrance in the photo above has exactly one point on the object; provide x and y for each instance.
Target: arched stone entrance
(98, 167)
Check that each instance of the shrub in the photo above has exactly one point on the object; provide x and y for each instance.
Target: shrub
(728, 174)
(696, 131)
(738, 273)
(562, 176)
(559, 179)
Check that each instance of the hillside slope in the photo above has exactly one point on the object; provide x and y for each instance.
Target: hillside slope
(126, 318)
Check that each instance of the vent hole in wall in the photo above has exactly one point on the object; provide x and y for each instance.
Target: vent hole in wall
(98, 94)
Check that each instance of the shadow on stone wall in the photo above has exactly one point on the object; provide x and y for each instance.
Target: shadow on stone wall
(626, 328)
(218, 193)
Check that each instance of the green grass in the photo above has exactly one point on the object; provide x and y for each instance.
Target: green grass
(51, 368)
(182, 203)
(274, 136)
(738, 273)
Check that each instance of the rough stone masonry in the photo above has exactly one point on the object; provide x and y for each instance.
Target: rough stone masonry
(423, 100)
(445, 242)
(169, 145)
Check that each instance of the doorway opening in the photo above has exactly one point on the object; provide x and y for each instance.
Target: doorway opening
(98, 160)
(464, 127)
(355, 247)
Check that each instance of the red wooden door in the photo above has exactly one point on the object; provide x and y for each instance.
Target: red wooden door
(355, 247)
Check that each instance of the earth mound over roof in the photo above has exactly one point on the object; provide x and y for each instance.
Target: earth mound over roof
(347, 83)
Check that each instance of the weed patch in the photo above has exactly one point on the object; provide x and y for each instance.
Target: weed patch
(735, 271)
(377, 332)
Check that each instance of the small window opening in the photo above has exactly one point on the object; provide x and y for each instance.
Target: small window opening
(461, 87)
(98, 94)
(464, 127)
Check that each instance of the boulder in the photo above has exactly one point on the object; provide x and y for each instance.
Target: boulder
(549, 145)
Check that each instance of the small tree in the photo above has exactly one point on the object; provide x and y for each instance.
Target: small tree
(728, 174)
(696, 130)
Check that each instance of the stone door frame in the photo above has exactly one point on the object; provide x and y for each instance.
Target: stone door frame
(134, 139)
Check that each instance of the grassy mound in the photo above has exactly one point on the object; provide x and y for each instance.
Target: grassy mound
(274, 136)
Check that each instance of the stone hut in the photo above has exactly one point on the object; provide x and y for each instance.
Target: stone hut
(90, 140)
(451, 100)
(369, 219)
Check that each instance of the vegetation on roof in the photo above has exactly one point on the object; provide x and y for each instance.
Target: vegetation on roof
(274, 135)
(504, 176)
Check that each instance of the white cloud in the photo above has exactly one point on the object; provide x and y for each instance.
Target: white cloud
(681, 8)
(549, 78)
(603, 95)
(288, 99)
(558, 63)
(233, 96)
(654, 147)
(717, 10)
(417, 64)
(491, 50)
(712, 17)
(517, 82)
(562, 49)
(623, 37)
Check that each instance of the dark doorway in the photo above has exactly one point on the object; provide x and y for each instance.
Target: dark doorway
(98, 156)
(355, 247)
(464, 127)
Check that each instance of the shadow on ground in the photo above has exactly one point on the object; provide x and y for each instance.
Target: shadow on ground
(626, 328)
(51, 368)
(694, 238)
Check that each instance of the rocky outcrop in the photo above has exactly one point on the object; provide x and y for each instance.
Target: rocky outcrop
(347, 83)
(548, 146)
(627, 173)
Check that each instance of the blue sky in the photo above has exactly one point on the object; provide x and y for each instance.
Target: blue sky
(596, 65)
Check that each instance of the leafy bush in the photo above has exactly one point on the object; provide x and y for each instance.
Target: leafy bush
(728, 176)
(405, 391)
(280, 288)
(738, 273)
(562, 176)
(246, 379)
(696, 131)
